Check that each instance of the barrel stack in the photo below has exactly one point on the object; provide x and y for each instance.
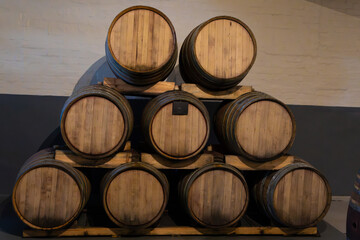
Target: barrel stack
(96, 123)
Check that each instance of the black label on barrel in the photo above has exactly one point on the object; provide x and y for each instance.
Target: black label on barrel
(180, 108)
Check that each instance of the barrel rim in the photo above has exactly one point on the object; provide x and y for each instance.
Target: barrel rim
(280, 174)
(257, 98)
(53, 164)
(209, 167)
(123, 12)
(167, 98)
(195, 35)
(107, 180)
(95, 93)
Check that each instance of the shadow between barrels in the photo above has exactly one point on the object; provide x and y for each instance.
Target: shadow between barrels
(9, 222)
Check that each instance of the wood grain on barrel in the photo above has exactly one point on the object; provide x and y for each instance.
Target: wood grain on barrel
(217, 197)
(179, 135)
(135, 197)
(141, 40)
(47, 197)
(264, 129)
(224, 48)
(300, 197)
(94, 125)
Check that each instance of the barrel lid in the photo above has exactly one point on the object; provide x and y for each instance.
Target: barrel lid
(224, 47)
(300, 195)
(141, 39)
(216, 195)
(47, 197)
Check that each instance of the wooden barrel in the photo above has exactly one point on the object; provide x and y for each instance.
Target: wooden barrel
(135, 195)
(49, 194)
(215, 195)
(353, 214)
(96, 121)
(218, 53)
(256, 126)
(176, 124)
(141, 45)
(297, 195)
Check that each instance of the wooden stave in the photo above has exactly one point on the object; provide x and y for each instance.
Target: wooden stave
(263, 192)
(185, 184)
(192, 72)
(45, 158)
(155, 105)
(141, 77)
(110, 94)
(105, 182)
(353, 213)
(226, 117)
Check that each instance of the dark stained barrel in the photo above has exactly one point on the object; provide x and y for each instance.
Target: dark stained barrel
(218, 53)
(141, 45)
(135, 195)
(96, 121)
(256, 126)
(215, 195)
(353, 214)
(297, 195)
(176, 125)
(49, 194)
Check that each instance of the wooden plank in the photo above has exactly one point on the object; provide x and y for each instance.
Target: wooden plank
(168, 231)
(203, 93)
(128, 89)
(162, 163)
(243, 164)
(74, 160)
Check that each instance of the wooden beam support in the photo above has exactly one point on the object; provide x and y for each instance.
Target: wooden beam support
(68, 157)
(128, 89)
(168, 231)
(203, 93)
(161, 163)
(244, 164)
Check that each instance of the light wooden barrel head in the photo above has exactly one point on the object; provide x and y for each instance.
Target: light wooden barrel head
(94, 125)
(47, 197)
(178, 135)
(264, 129)
(300, 197)
(135, 197)
(141, 40)
(217, 197)
(224, 48)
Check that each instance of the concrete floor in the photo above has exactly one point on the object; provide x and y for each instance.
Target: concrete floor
(336, 216)
(333, 227)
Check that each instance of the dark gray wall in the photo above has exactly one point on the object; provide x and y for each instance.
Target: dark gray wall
(327, 137)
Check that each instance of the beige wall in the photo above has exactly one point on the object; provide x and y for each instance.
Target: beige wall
(308, 51)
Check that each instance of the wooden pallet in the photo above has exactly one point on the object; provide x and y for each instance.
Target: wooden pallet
(168, 231)
(161, 87)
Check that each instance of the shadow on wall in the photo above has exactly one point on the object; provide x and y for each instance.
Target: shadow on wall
(9, 221)
(349, 7)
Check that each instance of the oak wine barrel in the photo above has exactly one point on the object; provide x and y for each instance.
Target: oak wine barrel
(218, 53)
(176, 124)
(297, 195)
(96, 121)
(49, 194)
(256, 126)
(353, 214)
(135, 195)
(141, 45)
(215, 196)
